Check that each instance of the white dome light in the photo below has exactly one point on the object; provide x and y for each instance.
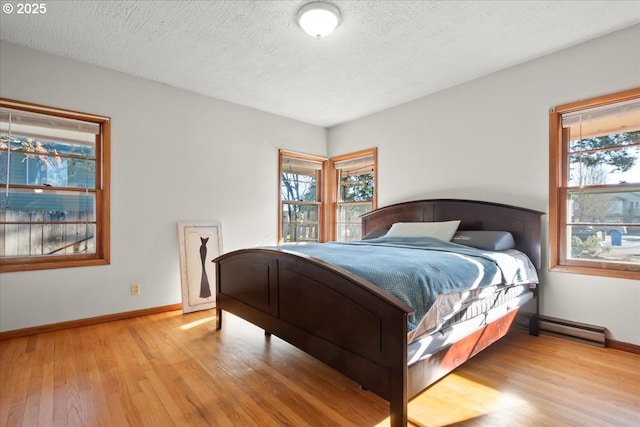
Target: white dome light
(318, 19)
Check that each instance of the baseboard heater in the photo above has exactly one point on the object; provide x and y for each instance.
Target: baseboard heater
(588, 333)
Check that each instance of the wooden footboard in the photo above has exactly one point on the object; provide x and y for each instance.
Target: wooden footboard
(327, 312)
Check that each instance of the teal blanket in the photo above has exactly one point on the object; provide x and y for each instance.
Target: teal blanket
(414, 269)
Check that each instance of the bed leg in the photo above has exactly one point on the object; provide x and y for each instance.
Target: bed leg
(267, 334)
(218, 319)
(399, 416)
(534, 321)
(399, 399)
(534, 325)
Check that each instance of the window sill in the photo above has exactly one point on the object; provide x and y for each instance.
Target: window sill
(594, 271)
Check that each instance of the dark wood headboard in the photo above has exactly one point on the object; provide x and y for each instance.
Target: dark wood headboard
(522, 223)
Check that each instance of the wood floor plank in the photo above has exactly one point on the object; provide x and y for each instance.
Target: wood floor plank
(170, 369)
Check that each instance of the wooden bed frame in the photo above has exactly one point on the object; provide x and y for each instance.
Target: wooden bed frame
(350, 324)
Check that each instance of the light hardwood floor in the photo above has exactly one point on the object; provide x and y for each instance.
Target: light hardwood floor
(172, 369)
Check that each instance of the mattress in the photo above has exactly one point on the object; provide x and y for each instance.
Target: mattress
(457, 307)
(436, 278)
(453, 331)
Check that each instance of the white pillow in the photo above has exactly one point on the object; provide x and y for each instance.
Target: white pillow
(440, 230)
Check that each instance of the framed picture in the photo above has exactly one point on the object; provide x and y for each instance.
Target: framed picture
(199, 243)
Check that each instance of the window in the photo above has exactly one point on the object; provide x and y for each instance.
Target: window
(354, 193)
(301, 197)
(594, 200)
(54, 173)
(314, 208)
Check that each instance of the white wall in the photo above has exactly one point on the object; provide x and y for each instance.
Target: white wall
(488, 140)
(176, 156)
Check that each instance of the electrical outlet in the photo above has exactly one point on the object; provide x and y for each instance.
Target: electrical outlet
(135, 289)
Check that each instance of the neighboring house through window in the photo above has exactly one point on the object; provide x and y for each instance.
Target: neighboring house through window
(322, 199)
(54, 172)
(594, 200)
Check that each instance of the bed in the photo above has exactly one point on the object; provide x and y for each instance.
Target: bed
(365, 332)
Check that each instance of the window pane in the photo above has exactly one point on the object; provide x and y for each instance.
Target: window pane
(47, 239)
(619, 244)
(64, 206)
(600, 142)
(608, 227)
(36, 146)
(299, 187)
(600, 167)
(300, 222)
(603, 208)
(47, 223)
(46, 163)
(354, 188)
(349, 224)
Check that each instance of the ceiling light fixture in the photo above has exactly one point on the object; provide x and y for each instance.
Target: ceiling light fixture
(318, 19)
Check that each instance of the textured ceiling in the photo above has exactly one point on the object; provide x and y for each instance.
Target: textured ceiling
(253, 53)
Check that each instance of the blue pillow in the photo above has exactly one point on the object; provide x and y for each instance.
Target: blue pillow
(483, 239)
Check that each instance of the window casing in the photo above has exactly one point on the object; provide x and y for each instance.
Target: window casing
(54, 173)
(321, 199)
(594, 192)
